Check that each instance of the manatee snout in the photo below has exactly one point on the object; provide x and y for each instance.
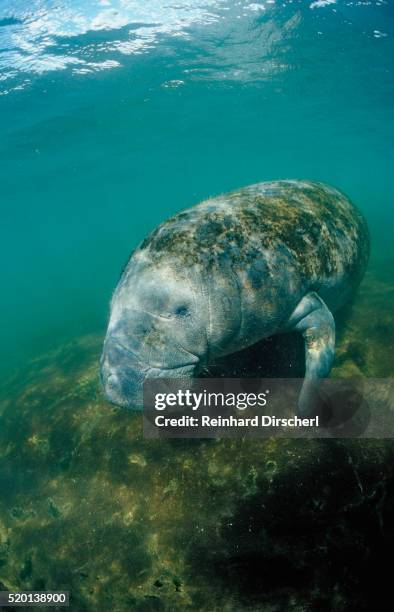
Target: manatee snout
(122, 375)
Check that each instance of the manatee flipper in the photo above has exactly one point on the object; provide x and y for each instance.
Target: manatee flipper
(315, 322)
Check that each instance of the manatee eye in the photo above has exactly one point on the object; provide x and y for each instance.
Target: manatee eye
(181, 311)
(141, 330)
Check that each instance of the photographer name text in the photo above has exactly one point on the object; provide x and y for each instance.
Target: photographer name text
(232, 421)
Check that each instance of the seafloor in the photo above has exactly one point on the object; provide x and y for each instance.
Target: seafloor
(87, 505)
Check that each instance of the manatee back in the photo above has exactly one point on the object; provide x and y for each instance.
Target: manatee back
(298, 234)
(321, 232)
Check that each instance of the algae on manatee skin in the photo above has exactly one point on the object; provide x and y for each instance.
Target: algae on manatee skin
(125, 523)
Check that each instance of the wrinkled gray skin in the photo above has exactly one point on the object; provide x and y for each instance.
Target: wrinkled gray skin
(224, 274)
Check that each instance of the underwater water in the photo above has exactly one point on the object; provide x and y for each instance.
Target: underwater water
(115, 114)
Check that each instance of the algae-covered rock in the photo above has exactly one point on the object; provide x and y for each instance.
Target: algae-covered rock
(124, 523)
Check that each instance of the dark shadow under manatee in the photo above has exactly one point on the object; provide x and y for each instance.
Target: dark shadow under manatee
(279, 356)
(320, 534)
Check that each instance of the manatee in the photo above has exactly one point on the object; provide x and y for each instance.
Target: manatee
(220, 276)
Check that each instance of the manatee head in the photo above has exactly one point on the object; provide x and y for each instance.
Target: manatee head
(156, 329)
